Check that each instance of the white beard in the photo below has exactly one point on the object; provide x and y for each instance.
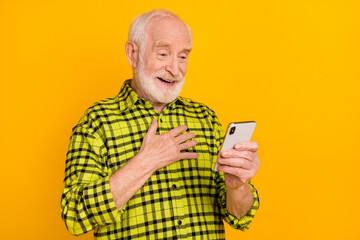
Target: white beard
(147, 86)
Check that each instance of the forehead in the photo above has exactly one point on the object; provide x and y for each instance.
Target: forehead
(168, 31)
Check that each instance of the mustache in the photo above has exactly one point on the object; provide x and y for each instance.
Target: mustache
(166, 75)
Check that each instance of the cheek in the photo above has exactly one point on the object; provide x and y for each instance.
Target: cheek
(153, 67)
(183, 68)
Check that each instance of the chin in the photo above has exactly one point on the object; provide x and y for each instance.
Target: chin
(167, 94)
(155, 90)
(164, 97)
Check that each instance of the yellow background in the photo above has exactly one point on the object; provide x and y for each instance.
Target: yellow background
(292, 66)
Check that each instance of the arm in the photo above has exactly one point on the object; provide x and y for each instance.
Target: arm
(239, 200)
(240, 166)
(234, 201)
(91, 197)
(86, 201)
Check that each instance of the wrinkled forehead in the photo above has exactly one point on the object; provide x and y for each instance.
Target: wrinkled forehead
(166, 30)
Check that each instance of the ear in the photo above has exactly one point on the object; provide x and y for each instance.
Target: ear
(132, 53)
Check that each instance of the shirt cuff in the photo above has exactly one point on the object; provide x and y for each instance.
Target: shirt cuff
(244, 222)
(100, 203)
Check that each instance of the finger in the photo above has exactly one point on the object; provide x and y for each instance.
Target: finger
(236, 162)
(153, 127)
(232, 153)
(176, 131)
(187, 145)
(188, 155)
(184, 137)
(248, 146)
(238, 172)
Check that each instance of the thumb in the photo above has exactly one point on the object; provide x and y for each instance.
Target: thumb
(153, 127)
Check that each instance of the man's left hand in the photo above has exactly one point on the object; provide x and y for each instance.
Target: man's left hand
(239, 164)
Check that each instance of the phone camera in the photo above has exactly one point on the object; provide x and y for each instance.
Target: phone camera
(232, 130)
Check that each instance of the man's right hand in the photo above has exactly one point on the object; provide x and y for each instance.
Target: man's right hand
(162, 150)
(157, 151)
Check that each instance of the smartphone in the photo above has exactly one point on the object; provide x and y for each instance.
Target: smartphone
(236, 132)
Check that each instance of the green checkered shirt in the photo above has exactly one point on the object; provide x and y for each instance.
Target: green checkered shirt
(184, 200)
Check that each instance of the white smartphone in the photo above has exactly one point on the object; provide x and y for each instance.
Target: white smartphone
(236, 132)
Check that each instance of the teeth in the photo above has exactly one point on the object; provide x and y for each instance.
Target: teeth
(165, 80)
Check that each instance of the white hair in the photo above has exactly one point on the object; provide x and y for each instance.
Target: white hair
(137, 31)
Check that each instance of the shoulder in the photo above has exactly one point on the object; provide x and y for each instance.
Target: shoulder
(99, 112)
(104, 106)
(198, 109)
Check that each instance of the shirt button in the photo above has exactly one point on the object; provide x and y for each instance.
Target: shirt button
(179, 222)
(174, 186)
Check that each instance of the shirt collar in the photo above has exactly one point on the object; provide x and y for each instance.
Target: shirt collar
(185, 101)
(127, 96)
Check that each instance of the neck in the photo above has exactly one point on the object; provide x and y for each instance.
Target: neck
(159, 107)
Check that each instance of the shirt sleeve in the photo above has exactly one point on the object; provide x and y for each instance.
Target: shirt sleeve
(244, 222)
(87, 201)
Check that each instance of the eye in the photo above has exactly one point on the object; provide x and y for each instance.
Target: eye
(183, 57)
(162, 54)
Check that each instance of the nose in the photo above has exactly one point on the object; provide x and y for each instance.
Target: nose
(173, 66)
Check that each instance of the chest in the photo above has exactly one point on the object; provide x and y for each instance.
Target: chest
(124, 135)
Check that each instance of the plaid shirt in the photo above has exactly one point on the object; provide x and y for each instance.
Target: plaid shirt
(184, 200)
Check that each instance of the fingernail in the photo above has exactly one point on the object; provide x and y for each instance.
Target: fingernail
(238, 146)
(225, 153)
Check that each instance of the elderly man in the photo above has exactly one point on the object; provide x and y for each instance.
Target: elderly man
(140, 164)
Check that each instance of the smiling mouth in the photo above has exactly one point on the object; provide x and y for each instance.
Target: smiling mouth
(164, 80)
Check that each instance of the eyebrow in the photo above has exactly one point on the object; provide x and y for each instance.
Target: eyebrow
(161, 44)
(165, 44)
